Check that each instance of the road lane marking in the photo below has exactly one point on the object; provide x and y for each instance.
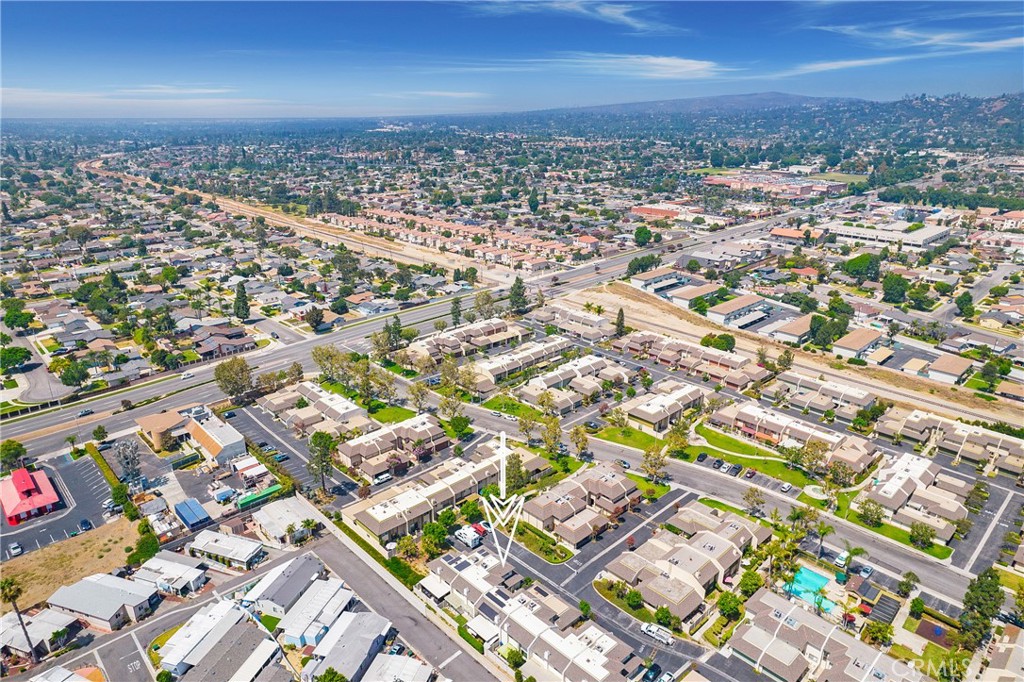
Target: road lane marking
(449, 659)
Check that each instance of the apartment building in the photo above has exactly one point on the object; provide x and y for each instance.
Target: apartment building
(402, 510)
(583, 504)
(805, 392)
(796, 331)
(579, 324)
(729, 369)
(786, 643)
(492, 370)
(914, 489)
(468, 338)
(655, 412)
(965, 441)
(394, 445)
(659, 279)
(778, 429)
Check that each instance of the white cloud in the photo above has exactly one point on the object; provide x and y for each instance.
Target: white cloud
(642, 65)
(629, 15)
(839, 64)
(176, 90)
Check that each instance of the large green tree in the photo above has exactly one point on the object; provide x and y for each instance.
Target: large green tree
(321, 456)
(241, 306)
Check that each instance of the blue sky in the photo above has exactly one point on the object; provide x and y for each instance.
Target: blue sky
(267, 59)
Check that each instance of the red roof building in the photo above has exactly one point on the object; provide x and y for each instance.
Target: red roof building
(25, 494)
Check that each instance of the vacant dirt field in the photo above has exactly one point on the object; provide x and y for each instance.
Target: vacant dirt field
(41, 572)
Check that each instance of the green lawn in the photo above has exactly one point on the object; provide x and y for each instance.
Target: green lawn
(269, 622)
(189, 356)
(10, 383)
(840, 177)
(644, 485)
(716, 504)
(768, 467)
(629, 436)
(724, 442)
(931, 660)
(642, 614)
(392, 366)
(158, 643)
(542, 544)
(262, 343)
(556, 474)
(513, 407)
(392, 413)
(1009, 579)
(900, 535)
(976, 383)
(710, 171)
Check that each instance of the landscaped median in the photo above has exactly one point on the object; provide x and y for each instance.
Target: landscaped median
(736, 451)
(652, 491)
(399, 568)
(542, 544)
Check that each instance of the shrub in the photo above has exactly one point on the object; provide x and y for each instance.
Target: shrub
(634, 599)
(916, 607)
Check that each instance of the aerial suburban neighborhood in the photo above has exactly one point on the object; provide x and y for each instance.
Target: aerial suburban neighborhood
(715, 389)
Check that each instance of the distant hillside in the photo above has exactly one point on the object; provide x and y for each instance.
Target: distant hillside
(720, 103)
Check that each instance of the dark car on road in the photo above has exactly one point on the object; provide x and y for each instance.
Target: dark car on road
(652, 673)
(84, 525)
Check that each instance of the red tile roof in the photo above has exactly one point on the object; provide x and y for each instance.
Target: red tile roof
(26, 491)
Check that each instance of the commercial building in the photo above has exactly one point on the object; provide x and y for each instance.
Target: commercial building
(26, 494)
(786, 643)
(739, 312)
(889, 234)
(192, 514)
(349, 647)
(196, 425)
(659, 279)
(796, 331)
(106, 602)
(857, 343)
(231, 550)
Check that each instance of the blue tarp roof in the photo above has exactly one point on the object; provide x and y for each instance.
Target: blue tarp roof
(224, 494)
(191, 513)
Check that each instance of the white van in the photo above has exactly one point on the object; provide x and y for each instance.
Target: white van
(382, 478)
(842, 559)
(469, 537)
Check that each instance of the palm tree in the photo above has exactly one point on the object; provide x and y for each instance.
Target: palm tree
(819, 597)
(775, 517)
(796, 516)
(309, 525)
(10, 593)
(822, 530)
(849, 604)
(853, 551)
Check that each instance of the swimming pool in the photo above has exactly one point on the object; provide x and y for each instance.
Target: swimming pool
(806, 584)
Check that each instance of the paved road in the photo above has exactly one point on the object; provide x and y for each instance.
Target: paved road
(42, 386)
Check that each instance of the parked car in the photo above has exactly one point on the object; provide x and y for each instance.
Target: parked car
(592, 425)
(717, 464)
(622, 463)
(866, 571)
(750, 473)
(480, 529)
(382, 478)
(84, 525)
(104, 446)
(841, 560)
(735, 470)
(667, 677)
(108, 503)
(495, 413)
(268, 448)
(274, 335)
(14, 549)
(702, 456)
(653, 673)
(84, 413)
(786, 487)
(487, 526)
(188, 375)
(280, 457)
(396, 649)
(229, 414)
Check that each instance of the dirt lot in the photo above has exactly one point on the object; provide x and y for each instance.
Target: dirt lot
(646, 311)
(41, 572)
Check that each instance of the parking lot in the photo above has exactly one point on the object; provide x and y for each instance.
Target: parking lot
(758, 478)
(82, 490)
